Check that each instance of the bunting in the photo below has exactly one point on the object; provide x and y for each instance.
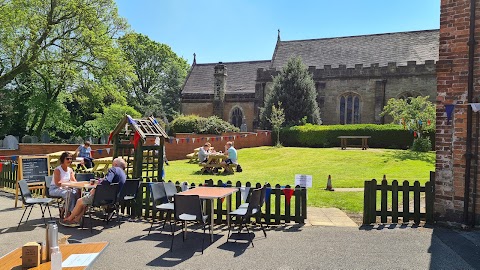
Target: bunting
(414, 134)
(428, 122)
(130, 120)
(268, 193)
(193, 140)
(108, 150)
(288, 194)
(14, 158)
(100, 151)
(177, 139)
(136, 138)
(110, 137)
(1, 166)
(449, 110)
(244, 193)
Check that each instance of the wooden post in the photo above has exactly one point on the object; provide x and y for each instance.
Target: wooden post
(373, 201)
(383, 202)
(277, 193)
(429, 201)
(406, 201)
(416, 202)
(366, 203)
(395, 201)
(268, 206)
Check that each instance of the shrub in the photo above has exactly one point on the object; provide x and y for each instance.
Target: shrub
(383, 136)
(201, 125)
(422, 144)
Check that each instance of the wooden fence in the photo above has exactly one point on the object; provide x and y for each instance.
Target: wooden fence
(395, 212)
(276, 210)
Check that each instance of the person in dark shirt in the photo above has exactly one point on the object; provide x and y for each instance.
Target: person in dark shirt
(116, 174)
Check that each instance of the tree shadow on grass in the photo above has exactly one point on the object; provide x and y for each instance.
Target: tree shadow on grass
(408, 155)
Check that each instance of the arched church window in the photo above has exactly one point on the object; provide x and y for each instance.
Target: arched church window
(349, 109)
(237, 116)
(406, 95)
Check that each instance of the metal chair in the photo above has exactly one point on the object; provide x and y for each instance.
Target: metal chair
(30, 202)
(259, 209)
(243, 215)
(188, 208)
(160, 202)
(170, 190)
(105, 195)
(48, 182)
(129, 191)
(81, 177)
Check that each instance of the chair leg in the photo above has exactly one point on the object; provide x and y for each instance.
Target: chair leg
(43, 214)
(173, 234)
(248, 231)
(184, 229)
(22, 217)
(91, 221)
(229, 228)
(31, 207)
(154, 215)
(263, 229)
(203, 239)
(118, 215)
(49, 213)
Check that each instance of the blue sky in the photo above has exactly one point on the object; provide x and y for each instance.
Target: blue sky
(247, 30)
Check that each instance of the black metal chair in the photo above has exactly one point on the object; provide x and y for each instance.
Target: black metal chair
(48, 182)
(170, 190)
(160, 202)
(81, 177)
(188, 208)
(105, 196)
(243, 215)
(30, 202)
(259, 210)
(128, 194)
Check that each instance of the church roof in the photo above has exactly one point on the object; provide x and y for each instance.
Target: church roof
(240, 77)
(367, 49)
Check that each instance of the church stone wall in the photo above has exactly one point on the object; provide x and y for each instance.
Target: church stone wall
(247, 109)
(204, 109)
(367, 82)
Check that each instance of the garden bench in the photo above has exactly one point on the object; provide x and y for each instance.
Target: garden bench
(343, 141)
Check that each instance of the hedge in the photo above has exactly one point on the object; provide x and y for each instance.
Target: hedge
(383, 136)
(200, 125)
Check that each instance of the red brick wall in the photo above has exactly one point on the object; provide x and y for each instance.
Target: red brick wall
(452, 75)
(174, 150)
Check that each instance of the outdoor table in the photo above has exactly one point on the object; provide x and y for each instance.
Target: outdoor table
(13, 260)
(101, 164)
(213, 161)
(212, 193)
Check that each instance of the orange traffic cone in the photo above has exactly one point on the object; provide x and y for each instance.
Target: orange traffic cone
(329, 184)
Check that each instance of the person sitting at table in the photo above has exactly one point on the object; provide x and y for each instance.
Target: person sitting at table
(63, 173)
(85, 151)
(116, 174)
(231, 154)
(203, 152)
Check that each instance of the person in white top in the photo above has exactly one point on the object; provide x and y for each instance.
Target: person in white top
(61, 174)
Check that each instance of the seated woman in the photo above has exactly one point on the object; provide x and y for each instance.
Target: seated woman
(203, 152)
(62, 174)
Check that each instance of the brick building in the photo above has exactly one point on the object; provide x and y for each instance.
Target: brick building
(354, 77)
(458, 70)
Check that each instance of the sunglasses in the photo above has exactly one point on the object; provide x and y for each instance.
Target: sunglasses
(68, 158)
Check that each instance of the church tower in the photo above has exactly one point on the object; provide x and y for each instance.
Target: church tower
(220, 85)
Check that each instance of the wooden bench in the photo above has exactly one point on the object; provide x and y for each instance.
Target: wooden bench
(344, 139)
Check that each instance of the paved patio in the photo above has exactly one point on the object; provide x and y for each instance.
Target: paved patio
(286, 247)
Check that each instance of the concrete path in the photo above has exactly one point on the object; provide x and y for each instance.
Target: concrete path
(328, 217)
(285, 247)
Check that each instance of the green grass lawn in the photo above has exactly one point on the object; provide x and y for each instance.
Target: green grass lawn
(348, 168)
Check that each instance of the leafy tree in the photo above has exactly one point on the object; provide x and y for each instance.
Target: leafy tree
(295, 90)
(159, 76)
(417, 114)
(39, 32)
(105, 122)
(276, 119)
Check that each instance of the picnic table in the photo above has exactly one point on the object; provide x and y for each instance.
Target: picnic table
(101, 165)
(213, 161)
(343, 141)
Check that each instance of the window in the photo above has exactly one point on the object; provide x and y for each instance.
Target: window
(349, 109)
(406, 95)
(237, 117)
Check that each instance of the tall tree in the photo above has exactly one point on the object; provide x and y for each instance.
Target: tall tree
(36, 32)
(160, 74)
(294, 88)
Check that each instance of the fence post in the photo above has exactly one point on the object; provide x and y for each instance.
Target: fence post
(373, 202)
(406, 201)
(287, 207)
(416, 202)
(384, 202)
(304, 204)
(366, 203)
(395, 201)
(268, 205)
(277, 203)
(298, 212)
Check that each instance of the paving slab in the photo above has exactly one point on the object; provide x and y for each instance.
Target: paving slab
(328, 217)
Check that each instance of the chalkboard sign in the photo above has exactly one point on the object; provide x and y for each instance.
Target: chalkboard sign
(33, 168)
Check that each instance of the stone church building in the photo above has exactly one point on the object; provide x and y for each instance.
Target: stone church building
(354, 77)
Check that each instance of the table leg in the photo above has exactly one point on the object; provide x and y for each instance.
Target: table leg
(229, 202)
(211, 220)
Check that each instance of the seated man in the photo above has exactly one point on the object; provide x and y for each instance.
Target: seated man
(203, 152)
(231, 153)
(116, 174)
